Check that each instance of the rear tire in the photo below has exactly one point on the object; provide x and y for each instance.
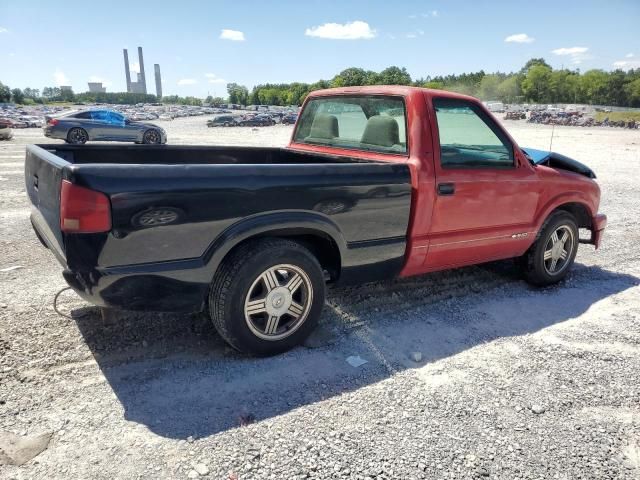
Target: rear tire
(77, 136)
(152, 137)
(267, 296)
(550, 258)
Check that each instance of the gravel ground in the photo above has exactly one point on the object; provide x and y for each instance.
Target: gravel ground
(513, 382)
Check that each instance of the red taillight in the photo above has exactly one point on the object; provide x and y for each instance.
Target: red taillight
(83, 210)
(53, 122)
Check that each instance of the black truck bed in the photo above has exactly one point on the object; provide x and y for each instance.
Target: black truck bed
(221, 196)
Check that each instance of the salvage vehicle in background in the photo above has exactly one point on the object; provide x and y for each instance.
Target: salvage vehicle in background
(6, 132)
(256, 121)
(377, 182)
(222, 121)
(80, 127)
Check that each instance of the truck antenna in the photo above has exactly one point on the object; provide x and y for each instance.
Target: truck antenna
(553, 126)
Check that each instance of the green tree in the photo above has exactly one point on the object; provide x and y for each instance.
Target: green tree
(238, 94)
(488, 89)
(632, 90)
(17, 96)
(508, 90)
(533, 62)
(594, 82)
(535, 85)
(394, 76)
(5, 93)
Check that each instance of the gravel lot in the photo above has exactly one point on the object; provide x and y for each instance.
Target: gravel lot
(513, 383)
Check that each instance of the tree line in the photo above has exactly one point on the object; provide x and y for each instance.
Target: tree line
(536, 82)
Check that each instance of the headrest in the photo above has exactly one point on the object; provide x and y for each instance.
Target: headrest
(381, 130)
(324, 126)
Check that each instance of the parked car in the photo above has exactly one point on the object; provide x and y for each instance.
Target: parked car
(290, 119)
(257, 121)
(107, 125)
(415, 181)
(6, 132)
(222, 121)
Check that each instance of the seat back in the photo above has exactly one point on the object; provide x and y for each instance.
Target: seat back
(381, 130)
(324, 126)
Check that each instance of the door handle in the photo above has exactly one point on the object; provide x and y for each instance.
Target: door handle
(446, 189)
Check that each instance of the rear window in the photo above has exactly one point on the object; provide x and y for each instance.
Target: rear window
(371, 123)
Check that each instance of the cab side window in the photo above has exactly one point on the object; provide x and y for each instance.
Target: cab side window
(469, 138)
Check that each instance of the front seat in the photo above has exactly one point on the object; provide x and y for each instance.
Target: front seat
(324, 127)
(381, 130)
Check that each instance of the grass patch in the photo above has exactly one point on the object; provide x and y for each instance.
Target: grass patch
(617, 116)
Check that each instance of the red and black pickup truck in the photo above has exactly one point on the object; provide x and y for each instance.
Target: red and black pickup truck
(376, 182)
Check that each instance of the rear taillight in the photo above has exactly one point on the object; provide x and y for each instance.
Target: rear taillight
(53, 122)
(83, 210)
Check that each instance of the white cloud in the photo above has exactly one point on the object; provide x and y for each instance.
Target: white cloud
(629, 55)
(577, 54)
(104, 82)
(213, 78)
(60, 78)
(411, 35)
(342, 31)
(519, 38)
(570, 50)
(4, 30)
(233, 35)
(627, 64)
(187, 81)
(432, 13)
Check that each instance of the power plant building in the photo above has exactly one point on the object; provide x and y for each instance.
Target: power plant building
(96, 87)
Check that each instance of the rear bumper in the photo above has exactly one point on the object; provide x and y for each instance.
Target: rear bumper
(151, 290)
(599, 224)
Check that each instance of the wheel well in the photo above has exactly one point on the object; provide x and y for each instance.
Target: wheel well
(322, 246)
(580, 213)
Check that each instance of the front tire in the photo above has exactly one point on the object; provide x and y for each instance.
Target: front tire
(267, 296)
(77, 136)
(551, 256)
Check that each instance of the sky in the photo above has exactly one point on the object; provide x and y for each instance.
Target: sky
(203, 45)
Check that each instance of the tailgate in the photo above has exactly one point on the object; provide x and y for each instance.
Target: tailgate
(43, 177)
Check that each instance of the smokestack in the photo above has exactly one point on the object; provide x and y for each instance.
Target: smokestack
(126, 69)
(156, 67)
(142, 77)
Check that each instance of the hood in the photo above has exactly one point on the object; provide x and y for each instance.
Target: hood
(557, 161)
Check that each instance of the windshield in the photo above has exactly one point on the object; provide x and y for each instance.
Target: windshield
(371, 123)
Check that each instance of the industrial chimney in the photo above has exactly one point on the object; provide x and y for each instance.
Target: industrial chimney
(156, 67)
(141, 77)
(126, 69)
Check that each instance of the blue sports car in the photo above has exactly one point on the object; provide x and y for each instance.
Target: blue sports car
(106, 125)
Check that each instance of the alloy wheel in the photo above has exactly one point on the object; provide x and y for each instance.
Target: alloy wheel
(558, 250)
(278, 302)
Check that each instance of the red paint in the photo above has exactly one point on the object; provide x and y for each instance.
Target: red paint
(494, 213)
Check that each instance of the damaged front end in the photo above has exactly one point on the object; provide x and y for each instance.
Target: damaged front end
(556, 160)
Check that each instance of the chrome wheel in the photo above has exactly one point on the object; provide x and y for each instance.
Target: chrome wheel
(558, 250)
(77, 136)
(152, 136)
(278, 302)
(157, 217)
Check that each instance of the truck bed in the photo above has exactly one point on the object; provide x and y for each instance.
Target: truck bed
(218, 195)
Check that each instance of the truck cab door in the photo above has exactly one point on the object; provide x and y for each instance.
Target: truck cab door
(486, 191)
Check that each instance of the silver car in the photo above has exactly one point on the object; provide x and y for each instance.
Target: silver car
(106, 125)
